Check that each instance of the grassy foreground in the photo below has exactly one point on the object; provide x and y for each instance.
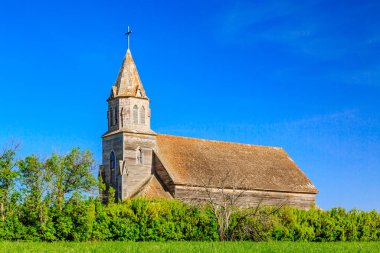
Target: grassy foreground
(182, 247)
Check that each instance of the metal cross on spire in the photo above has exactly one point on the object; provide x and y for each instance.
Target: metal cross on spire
(128, 34)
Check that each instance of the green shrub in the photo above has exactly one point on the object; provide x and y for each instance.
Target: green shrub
(35, 209)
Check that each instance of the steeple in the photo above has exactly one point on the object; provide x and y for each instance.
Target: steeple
(128, 144)
(128, 82)
(128, 105)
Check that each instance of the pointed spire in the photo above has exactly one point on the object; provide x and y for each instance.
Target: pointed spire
(128, 81)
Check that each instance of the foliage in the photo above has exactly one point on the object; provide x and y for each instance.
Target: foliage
(49, 200)
(8, 175)
(317, 225)
(69, 174)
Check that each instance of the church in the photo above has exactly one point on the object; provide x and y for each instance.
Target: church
(136, 161)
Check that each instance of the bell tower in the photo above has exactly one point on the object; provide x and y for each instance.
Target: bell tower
(128, 144)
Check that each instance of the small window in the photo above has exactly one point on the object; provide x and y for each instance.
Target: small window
(135, 115)
(111, 116)
(112, 166)
(140, 156)
(122, 117)
(116, 116)
(142, 115)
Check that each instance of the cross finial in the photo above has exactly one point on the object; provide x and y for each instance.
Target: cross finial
(128, 34)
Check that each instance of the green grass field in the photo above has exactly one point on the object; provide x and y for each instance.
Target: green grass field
(182, 247)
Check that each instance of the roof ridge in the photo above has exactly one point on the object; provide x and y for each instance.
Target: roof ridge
(218, 141)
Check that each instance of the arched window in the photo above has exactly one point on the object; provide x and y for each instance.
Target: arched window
(140, 156)
(135, 114)
(142, 115)
(112, 166)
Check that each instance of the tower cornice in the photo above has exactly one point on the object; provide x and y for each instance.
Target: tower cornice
(114, 98)
(122, 131)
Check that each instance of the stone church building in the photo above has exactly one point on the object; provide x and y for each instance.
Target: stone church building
(136, 161)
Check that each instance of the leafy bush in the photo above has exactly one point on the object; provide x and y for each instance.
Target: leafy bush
(49, 201)
(326, 226)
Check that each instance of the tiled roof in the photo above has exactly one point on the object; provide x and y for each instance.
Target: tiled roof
(128, 80)
(198, 162)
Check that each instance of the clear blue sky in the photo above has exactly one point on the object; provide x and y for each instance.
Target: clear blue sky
(303, 75)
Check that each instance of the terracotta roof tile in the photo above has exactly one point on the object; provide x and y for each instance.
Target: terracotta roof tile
(195, 162)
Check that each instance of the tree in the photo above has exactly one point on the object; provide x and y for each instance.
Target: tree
(8, 175)
(223, 201)
(234, 215)
(33, 184)
(70, 173)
